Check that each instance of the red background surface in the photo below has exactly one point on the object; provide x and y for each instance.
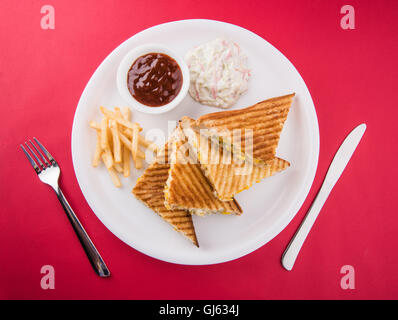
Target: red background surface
(352, 76)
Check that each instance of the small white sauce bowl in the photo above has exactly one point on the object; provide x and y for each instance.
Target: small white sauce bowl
(127, 62)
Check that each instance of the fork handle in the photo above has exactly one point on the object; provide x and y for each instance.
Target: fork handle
(93, 255)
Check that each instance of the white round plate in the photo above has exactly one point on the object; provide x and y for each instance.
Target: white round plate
(268, 206)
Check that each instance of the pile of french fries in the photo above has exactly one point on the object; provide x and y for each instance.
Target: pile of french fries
(117, 137)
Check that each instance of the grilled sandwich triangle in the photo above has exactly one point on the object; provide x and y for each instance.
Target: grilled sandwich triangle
(227, 174)
(263, 122)
(150, 190)
(187, 187)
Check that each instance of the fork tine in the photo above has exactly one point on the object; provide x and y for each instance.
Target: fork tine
(49, 156)
(40, 154)
(37, 159)
(32, 162)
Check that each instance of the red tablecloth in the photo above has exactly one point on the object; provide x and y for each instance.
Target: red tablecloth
(352, 76)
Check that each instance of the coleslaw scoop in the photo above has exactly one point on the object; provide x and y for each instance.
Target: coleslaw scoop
(219, 73)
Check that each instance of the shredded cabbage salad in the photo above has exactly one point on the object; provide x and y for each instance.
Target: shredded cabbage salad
(219, 73)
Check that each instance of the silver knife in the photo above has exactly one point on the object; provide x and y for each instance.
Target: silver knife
(340, 160)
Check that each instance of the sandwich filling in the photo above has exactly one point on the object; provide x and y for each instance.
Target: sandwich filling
(187, 187)
(230, 177)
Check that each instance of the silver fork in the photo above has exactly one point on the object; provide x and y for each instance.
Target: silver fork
(49, 172)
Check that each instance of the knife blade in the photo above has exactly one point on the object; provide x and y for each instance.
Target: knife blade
(336, 168)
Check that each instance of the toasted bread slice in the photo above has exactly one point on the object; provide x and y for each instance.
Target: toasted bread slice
(150, 190)
(227, 174)
(227, 183)
(265, 121)
(187, 187)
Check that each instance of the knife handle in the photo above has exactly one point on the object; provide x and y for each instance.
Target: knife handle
(295, 244)
(340, 160)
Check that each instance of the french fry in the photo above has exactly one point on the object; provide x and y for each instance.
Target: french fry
(128, 132)
(117, 151)
(107, 155)
(117, 137)
(110, 137)
(138, 163)
(148, 144)
(128, 124)
(104, 133)
(126, 161)
(134, 142)
(128, 143)
(95, 125)
(97, 153)
(118, 113)
(113, 174)
(118, 167)
(126, 113)
(106, 112)
(141, 140)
